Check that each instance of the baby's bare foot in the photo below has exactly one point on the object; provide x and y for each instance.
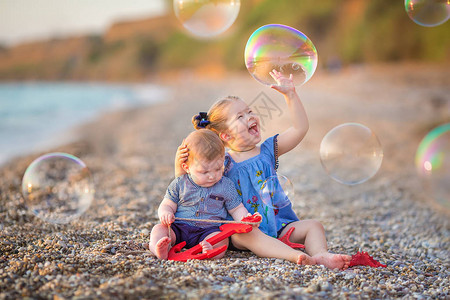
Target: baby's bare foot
(333, 261)
(162, 248)
(305, 259)
(206, 246)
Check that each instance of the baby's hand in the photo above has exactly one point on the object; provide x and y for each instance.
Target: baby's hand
(285, 85)
(257, 214)
(251, 218)
(167, 218)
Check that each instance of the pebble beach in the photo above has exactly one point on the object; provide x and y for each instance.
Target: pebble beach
(103, 254)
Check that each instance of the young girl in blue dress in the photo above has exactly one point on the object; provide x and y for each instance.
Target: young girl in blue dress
(248, 164)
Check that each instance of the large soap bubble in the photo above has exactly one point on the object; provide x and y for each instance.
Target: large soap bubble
(433, 164)
(351, 153)
(282, 48)
(276, 191)
(207, 18)
(428, 13)
(57, 187)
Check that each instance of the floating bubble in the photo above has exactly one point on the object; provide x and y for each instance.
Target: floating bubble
(207, 18)
(57, 188)
(428, 13)
(433, 164)
(351, 153)
(282, 48)
(276, 190)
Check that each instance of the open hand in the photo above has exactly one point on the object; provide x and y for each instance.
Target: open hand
(285, 84)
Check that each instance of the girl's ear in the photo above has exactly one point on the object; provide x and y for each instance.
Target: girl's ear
(185, 167)
(224, 136)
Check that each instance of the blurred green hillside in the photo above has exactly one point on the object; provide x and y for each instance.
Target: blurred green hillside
(350, 31)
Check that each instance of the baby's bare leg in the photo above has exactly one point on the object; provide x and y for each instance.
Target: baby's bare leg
(265, 246)
(207, 246)
(312, 234)
(160, 242)
(162, 248)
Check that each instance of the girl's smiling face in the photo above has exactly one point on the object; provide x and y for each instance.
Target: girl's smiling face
(243, 127)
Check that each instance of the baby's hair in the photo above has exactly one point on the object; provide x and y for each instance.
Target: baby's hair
(216, 115)
(204, 144)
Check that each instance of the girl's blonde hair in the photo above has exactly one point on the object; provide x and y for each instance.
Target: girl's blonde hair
(215, 118)
(204, 144)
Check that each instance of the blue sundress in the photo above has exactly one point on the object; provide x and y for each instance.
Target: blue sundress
(249, 176)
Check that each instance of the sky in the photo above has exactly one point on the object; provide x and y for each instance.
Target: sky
(29, 20)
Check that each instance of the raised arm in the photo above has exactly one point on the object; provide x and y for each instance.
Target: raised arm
(291, 137)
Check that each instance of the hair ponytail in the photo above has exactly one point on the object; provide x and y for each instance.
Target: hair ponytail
(201, 121)
(215, 119)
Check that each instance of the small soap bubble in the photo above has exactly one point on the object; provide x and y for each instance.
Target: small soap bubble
(206, 18)
(282, 48)
(57, 187)
(433, 164)
(428, 13)
(351, 153)
(276, 191)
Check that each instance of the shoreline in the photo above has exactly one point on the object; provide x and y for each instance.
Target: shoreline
(130, 155)
(64, 126)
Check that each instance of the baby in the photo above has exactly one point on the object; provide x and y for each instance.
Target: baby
(202, 193)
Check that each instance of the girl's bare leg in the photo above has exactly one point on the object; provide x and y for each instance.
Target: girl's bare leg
(312, 234)
(265, 246)
(160, 242)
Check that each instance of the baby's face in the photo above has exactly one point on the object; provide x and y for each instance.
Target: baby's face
(206, 173)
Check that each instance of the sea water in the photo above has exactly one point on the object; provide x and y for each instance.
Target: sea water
(35, 116)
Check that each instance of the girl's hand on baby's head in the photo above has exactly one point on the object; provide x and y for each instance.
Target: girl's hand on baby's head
(181, 157)
(182, 153)
(285, 84)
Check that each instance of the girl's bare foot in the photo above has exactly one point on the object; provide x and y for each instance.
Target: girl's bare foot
(305, 259)
(333, 261)
(162, 248)
(206, 246)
